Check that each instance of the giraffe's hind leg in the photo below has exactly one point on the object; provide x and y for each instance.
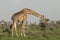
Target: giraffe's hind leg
(14, 28)
(12, 31)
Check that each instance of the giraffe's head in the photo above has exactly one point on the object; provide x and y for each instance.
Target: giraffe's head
(44, 20)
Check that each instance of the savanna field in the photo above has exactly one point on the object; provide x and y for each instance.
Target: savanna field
(34, 32)
(38, 19)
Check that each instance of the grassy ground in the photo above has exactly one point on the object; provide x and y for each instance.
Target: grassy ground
(34, 33)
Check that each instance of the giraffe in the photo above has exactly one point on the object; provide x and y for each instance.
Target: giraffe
(22, 16)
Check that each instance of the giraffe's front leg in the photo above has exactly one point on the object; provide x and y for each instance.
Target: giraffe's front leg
(23, 28)
(23, 32)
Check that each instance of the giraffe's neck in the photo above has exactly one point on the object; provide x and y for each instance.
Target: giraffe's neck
(29, 11)
(41, 17)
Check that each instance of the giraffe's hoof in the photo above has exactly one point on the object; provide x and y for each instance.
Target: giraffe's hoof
(23, 35)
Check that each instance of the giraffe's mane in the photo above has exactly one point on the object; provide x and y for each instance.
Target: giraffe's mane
(19, 12)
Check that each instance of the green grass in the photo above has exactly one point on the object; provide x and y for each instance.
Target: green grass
(52, 37)
(34, 34)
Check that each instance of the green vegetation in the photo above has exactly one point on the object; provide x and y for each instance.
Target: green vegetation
(34, 32)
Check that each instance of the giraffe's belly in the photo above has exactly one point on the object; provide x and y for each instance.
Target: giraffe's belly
(20, 19)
